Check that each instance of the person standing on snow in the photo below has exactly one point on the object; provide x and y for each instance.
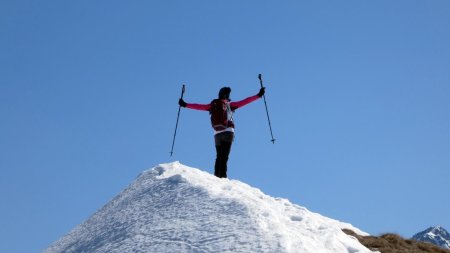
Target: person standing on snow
(221, 110)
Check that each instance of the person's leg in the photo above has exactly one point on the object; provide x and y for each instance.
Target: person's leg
(226, 148)
(218, 166)
(223, 143)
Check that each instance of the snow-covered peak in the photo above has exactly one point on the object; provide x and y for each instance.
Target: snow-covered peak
(436, 235)
(175, 208)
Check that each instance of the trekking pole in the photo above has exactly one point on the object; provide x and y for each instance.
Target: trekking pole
(267, 111)
(176, 126)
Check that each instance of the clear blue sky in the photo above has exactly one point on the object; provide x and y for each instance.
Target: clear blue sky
(358, 94)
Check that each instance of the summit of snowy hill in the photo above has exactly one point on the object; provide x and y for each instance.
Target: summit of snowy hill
(175, 208)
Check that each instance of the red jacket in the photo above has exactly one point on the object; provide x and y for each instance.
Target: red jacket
(233, 106)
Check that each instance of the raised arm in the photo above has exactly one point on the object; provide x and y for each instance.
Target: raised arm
(243, 102)
(246, 101)
(201, 107)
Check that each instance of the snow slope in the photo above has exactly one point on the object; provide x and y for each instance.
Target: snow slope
(175, 208)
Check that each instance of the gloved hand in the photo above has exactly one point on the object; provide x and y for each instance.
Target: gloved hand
(262, 91)
(182, 103)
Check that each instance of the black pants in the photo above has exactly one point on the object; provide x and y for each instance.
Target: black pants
(223, 147)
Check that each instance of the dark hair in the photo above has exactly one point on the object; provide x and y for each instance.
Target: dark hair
(224, 93)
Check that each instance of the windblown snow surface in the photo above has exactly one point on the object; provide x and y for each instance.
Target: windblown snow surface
(175, 208)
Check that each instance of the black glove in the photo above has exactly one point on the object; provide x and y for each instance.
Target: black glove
(182, 103)
(262, 91)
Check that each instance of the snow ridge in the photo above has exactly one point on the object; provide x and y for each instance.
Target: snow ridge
(175, 208)
(436, 235)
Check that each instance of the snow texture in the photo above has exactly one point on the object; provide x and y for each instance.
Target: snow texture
(436, 235)
(175, 208)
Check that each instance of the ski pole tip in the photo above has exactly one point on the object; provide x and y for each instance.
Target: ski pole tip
(259, 76)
